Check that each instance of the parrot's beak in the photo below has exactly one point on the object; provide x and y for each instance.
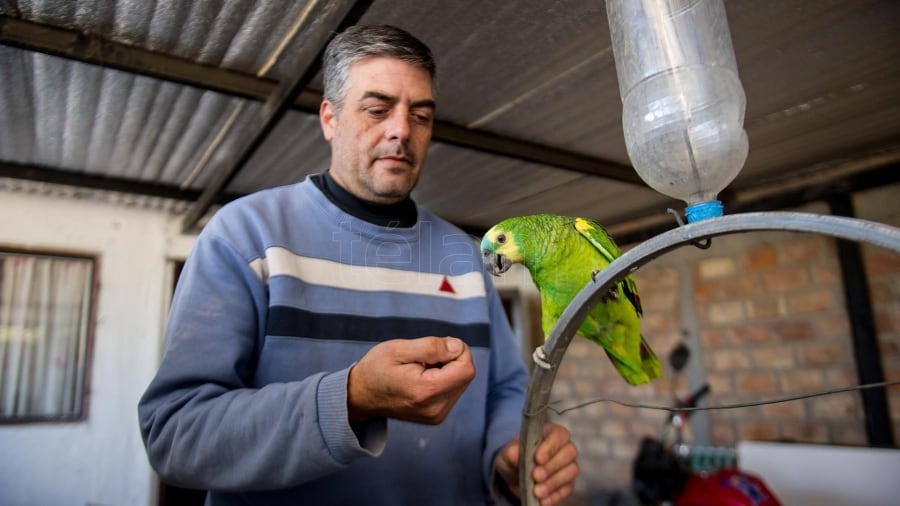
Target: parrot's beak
(495, 263)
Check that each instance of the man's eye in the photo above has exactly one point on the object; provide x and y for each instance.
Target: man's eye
(423, 119)
(377, 111)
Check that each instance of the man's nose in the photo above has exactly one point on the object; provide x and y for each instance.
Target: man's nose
(398, 125)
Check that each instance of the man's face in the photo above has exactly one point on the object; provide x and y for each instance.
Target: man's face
(380, 137)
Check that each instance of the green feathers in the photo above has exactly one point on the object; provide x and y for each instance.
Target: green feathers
(561, 253)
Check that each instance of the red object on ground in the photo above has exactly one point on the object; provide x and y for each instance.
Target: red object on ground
(727, 487)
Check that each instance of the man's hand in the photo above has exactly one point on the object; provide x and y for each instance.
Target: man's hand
(417, 380)
(555, 466)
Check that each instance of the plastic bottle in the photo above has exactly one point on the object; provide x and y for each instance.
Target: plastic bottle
(683, 103)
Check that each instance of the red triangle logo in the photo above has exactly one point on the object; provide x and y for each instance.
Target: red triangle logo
(446, 286)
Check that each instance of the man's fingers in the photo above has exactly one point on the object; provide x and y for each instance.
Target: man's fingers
(428, 350)
(556, 465)
(562, 457)
(555, 436)
(557, 496)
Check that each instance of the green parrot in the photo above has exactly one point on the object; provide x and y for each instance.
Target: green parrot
(563, 254)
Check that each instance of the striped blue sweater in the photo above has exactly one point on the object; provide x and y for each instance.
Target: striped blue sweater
(282, 293)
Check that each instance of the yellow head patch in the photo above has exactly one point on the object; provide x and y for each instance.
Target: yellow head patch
(504, 243)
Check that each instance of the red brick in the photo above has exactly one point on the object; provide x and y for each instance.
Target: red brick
(729, 360)
(712, 268)
(742, 286)
(712, 338)
(621, 411)
(833, 326)
(819, 301)
(880, 261)
(613, 429)
(880, 290)
(749, 334)
(616, 472)
(784, 280)
(758, 431)
(659, 300)
(818, 355)
(720, 313)
(596, 447)
(707, 290)
(759, 259)
(724, 435)
(657, 320)
(802, 381)
(624, 450)
(756, 383)
(719, 384)
(792, 331)
(641, 428)
(811, 433)
(840, 377)
(778, 357)
(785, 410)
(802, 250)
(766, 307)
(836, 407)
(894, 403)
(887, 320)
(826, 274)
(656, 279)
(851, 435)
(889, 349)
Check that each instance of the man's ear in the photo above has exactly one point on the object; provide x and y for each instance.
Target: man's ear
(326, 119)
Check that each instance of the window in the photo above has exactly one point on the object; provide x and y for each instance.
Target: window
(45, 335)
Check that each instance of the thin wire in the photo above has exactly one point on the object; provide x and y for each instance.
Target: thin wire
(704, 244)
(708, 408)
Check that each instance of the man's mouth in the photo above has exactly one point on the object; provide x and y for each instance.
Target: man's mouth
(401, 159)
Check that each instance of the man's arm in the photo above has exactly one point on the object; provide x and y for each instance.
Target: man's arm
(202, 424)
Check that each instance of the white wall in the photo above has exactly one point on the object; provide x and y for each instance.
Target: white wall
(100, 460)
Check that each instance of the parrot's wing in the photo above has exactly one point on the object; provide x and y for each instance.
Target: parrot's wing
(608, 249)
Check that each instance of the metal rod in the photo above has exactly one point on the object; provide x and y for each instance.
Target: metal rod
(541, 382)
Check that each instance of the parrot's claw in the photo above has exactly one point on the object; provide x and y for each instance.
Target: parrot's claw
(540, 358)
(611, 295)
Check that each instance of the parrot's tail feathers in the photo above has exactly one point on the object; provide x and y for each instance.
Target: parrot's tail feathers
(633, 375)
(650, 366)
(649, 363)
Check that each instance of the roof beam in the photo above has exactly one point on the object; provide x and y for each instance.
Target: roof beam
(97, 51)
(51, 175)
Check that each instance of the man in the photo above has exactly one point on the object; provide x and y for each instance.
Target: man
(305, 357)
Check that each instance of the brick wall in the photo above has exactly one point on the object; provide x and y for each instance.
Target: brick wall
(767, 320)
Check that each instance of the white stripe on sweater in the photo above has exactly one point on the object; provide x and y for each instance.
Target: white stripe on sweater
(281, 262)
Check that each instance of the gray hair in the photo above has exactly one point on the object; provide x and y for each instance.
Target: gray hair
(360, 42)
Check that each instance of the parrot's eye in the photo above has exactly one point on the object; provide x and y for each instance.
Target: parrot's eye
(501, 238)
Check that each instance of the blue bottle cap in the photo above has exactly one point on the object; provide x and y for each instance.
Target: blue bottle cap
(703, 211)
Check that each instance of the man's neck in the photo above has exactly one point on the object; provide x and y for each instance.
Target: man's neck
(401, 214)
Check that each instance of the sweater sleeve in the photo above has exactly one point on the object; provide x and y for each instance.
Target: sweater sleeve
(202, 423)
(506, 396)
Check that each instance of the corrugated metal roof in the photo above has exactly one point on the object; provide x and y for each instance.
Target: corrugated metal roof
(822, 82)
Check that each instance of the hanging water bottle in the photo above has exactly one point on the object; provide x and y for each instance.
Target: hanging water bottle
(683, 104)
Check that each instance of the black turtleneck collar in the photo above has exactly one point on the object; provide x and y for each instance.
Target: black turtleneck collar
(401, 214)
